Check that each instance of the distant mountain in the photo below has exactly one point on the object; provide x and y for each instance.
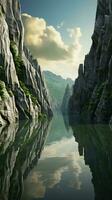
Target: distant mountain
(56, 86)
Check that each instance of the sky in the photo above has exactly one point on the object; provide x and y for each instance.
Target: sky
(58, 32)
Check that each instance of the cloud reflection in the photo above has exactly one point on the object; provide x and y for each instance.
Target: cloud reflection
(58, 159)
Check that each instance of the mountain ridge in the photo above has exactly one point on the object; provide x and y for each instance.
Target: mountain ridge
(56, 85)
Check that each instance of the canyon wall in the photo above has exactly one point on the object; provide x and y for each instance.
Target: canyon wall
(92, 92)
(23, 92)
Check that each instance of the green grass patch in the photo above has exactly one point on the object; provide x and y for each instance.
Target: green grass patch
(42, 116)
(28, 93)
(25, 89)
(3, 90)
(20, 69)
(19, 64)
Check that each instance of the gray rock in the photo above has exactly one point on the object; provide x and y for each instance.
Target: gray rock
(65, 101)
(93, 88)
(19, 71)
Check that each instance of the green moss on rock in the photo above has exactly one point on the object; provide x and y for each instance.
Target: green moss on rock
(19, 64)
(42, 116)
(28, 93)
(3, 91)
(20, 69)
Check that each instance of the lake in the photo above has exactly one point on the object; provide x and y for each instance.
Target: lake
(61, 172)
(51, 161)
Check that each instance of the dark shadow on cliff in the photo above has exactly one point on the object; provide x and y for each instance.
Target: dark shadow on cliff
(95, 144)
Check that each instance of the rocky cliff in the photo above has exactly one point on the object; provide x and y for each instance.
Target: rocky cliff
(65, 101)
(92, 93)
(23, 93)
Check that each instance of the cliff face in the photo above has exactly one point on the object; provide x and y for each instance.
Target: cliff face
(22, 90)
(65, 101)
(92, 93)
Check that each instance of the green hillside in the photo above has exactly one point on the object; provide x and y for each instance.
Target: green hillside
(56, 86)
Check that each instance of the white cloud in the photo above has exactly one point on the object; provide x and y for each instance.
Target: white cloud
(48, 46)
(60, 25)
(76, 32)
(49, 174)
(57, 159)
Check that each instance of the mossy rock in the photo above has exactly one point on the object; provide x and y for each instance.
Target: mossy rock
(25, 89)
(28, 93)
(19, 64)
(3, 91)
(41, 116)
(13, 48)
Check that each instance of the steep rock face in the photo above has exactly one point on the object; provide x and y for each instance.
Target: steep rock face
(65, 101)
(92, 93)
(20, 73)
(8, 110)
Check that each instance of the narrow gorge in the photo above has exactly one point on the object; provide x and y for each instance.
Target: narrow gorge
(55, 135)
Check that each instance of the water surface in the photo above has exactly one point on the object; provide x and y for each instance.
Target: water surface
(61, 172)
(50, 161)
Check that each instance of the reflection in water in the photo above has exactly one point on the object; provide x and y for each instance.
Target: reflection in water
(61, 172)
(74, 163)
(20, 149)
(95, 143)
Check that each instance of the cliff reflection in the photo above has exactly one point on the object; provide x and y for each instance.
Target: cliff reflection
(20, 149)
(95, 143)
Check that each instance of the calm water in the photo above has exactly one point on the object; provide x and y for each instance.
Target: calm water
(61, 172)
(53, 161)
